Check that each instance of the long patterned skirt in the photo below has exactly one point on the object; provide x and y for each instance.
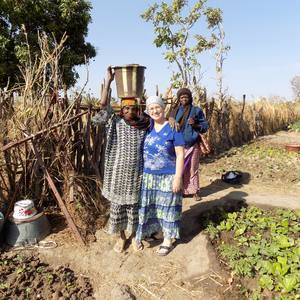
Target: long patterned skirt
(191, 170)
(123, 217)
(160, 208)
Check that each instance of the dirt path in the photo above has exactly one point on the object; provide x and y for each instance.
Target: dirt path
(190, 271)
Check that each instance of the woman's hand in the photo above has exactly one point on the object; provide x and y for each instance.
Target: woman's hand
(191, 121)
(194, 124)
(177, 184)
(110, 75)
(105, 88)
(173, 124)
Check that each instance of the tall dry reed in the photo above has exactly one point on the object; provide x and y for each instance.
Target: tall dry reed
(71, 152)
(246, 121)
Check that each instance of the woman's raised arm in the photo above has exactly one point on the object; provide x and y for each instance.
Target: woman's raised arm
(104, 101)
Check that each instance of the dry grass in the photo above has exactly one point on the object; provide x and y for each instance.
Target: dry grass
(71, 152)
(238, 123)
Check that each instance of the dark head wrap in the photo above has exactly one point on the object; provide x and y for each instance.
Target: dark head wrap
(187, 109)
(185, 91)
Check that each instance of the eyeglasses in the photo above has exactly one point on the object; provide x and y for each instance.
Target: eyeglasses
(156, 108)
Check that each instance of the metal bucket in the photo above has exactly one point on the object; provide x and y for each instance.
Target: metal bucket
(130, 80)
(26, 232)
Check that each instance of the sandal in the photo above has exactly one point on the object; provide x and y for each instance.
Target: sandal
(137, 245)
(153, 237)
(120, 245)
(164, 250)
(197, 197)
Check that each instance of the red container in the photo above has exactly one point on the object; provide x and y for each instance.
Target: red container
(293, 147)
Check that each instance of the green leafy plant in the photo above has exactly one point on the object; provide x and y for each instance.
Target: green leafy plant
(262, 244)
(295, 126)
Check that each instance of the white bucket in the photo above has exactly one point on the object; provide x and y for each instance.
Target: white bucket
(24, 209)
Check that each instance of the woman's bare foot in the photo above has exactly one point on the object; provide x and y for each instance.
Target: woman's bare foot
(120, 245)
(137, 245)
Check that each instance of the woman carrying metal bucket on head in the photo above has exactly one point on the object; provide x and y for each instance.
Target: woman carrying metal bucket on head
(123, 154)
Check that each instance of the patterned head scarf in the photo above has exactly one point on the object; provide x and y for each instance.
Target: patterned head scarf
(141, 121)
(129, 102)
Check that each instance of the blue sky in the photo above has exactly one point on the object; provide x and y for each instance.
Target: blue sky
(264, 37)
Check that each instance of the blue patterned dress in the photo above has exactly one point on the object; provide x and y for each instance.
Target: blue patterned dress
(160, 208)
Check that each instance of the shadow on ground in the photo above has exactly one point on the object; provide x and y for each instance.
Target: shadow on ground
(196, 219)
(57, 221)
(219, 185)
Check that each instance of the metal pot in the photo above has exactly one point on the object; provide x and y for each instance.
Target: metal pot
(130, 80)
(26, 232)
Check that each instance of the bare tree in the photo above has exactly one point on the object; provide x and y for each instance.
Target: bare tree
(220, 55)
(295, 82)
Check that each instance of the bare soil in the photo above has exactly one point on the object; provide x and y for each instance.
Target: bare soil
(263, 161)
(24, 276)
(192, 270)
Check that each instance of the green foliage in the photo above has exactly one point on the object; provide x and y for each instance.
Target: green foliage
(267, 152)
(295, 126)
(3, 285)
(21, 21)
(263, 244)
(174, 30)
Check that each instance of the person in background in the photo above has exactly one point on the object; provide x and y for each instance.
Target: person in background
(123, 165)
(189, 120)
(161, 198)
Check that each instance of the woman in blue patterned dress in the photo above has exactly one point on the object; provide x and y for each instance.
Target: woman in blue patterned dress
(161, 198)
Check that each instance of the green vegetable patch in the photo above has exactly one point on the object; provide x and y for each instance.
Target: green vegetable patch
(295, 126)
(262, 247)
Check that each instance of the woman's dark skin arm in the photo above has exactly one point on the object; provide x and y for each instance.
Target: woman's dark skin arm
(199, 122)
(104, 101)
(192, 122)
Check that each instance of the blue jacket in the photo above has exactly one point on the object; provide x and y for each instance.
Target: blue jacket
(190, 134)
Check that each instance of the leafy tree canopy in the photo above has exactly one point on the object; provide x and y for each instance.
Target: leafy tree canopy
(52, 17)
(176, 28)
